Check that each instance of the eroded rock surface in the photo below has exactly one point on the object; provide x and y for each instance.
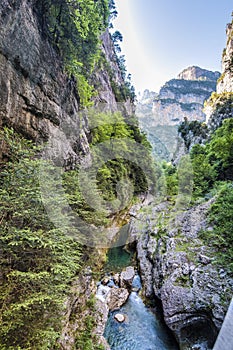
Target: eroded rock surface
(126, 277)
(36, 97)
(177, 268)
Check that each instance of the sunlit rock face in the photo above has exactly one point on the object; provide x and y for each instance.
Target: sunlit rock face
(220, 105)
(184, 97)
(197, 73)
(179, 99)
(178, 269)
(36, 97)
(225, 83)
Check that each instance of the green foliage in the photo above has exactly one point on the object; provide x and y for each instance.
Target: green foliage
(220, 150)
(211, 162)
(126, 139)
(79, 205)
(85, 90)
(203, 172)
(85, 339)
(74, 28)
(123, 91)
(116, 37)
(171, 176)
(214, 161)
(37, 261)
(220, 217)
(189, 130)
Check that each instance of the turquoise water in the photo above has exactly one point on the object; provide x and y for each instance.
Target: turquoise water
(117, 259)
(142, 329)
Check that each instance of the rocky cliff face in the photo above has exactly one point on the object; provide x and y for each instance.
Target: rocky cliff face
(179, 99)
(197, 73)
(179, 270)
(182, 97)
(220, 104)
(225, 83)
(36, 96)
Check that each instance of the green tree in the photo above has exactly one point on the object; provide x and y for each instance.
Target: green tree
(74, 28)
(220, 150)
(204, 174)
(37, 260)
(220, 217)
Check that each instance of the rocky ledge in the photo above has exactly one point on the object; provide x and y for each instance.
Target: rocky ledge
(179, 270)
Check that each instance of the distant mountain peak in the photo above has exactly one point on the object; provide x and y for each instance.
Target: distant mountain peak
(197, 73)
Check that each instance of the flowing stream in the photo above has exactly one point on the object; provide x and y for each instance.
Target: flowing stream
(142, 328)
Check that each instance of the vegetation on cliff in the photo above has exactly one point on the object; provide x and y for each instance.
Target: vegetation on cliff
(212, 168)
(35, 266)
(39, 261)
(74, 28)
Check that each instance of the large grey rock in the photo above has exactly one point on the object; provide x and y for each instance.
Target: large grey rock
(225, 83)
(103, 292)
(219, 107)
(178, 269)
(116, 298)
(126, 277)
(36, 97)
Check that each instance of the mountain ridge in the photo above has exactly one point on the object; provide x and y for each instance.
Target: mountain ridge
(179, 99)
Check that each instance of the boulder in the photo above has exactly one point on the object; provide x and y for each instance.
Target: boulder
(120, 318)
(102, 292)
(116, 298)
(126, 277)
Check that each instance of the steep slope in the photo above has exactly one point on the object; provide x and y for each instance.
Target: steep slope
(220, 104)
(37, 98)
(176, 268)
(179, 99)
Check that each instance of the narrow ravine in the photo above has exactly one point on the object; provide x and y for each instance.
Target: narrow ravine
(142, 327)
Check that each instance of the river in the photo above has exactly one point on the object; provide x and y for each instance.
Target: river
(142, 329)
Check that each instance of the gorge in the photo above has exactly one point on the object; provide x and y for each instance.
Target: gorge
(91, 224)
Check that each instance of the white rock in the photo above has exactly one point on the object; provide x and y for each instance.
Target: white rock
(119, 317)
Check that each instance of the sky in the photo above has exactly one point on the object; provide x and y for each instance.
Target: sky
(163, 37)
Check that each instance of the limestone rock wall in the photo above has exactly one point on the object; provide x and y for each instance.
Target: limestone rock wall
(178, 269)
(225, 83)
(36, 96)
(220, 104)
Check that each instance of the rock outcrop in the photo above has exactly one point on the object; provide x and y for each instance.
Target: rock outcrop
(179, 99)
(126, 277)
(179, 270)
(37, 98)
(225, 82)
(197, 73)
(220, 104)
